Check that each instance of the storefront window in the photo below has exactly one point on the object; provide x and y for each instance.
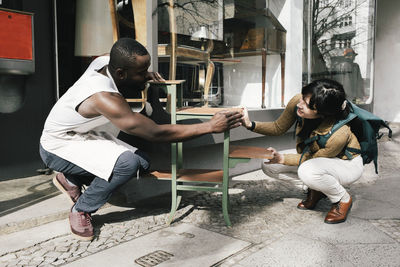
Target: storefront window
(339, 43)
(243, 44)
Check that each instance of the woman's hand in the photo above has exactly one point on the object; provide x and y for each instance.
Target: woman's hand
(246, 120)
(277, 158)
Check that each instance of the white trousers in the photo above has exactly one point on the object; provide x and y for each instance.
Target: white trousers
(327, 175)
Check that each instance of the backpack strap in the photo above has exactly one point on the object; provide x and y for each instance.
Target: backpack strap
(351, 149)
(385, 124)
(298, 121)
(322, 139)
(307, 143)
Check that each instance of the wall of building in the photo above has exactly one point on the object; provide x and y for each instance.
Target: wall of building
(387, 58)
(21, 130)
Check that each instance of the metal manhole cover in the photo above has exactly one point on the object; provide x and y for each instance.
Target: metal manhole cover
(154, 258)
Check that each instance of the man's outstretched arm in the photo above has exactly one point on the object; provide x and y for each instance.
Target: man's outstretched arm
(116, 109)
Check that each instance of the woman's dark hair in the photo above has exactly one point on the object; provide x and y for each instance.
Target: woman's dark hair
(327, 97)
(124, 51)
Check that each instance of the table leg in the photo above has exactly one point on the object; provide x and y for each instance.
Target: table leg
(282, 79)
(175, 199)
(225, 182)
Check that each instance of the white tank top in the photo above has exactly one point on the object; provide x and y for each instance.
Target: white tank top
(90, 143)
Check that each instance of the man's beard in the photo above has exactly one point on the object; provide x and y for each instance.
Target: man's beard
(131, 90)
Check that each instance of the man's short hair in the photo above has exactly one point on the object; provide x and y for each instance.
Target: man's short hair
(124, 51)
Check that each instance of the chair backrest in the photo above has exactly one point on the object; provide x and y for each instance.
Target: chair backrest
(174, 41)
(174, 47)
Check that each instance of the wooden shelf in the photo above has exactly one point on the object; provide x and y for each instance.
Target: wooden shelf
(249, 152)
(167, 82)
(203, 111)
(189, 175)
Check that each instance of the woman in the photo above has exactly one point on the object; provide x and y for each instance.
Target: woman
(323, 170)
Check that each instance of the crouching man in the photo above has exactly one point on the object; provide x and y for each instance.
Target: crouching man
(72, 144)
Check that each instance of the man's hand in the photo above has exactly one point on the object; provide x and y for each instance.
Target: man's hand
(155, 76)
(225, 120)
(277, 157)
(246, 120)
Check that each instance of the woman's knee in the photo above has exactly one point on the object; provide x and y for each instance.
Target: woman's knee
(308, 171)
(269, 170)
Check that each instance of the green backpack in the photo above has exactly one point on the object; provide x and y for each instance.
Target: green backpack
(365, 126)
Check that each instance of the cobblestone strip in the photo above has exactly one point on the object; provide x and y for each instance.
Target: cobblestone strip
(64, 249)
(390, 227)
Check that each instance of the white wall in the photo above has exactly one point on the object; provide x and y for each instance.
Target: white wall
(242, 81)
(387, 58)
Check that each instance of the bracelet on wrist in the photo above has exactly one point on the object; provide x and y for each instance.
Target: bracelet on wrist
(253, 125)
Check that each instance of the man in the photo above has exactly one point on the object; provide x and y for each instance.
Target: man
(348, 73)
(74, 144)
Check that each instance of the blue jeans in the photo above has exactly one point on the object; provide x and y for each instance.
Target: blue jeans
(99, 190)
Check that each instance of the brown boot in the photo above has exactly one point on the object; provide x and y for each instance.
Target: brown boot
(339, 212)
(313, 196)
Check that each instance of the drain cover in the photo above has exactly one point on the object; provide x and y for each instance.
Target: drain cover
(154, 258)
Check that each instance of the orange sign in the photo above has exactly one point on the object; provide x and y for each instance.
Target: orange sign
(15, 35)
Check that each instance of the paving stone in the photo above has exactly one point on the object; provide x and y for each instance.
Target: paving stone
(12, 263)
(58, 262)
(61, 249)
(38, 259)
(7, 257)
(65, 255)
(23, 263)
(86, 253)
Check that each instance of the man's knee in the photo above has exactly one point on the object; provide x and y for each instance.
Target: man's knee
(144, 160)
(129, 163)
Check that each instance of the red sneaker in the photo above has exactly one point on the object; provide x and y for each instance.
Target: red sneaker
(72, 191)
(81, 225)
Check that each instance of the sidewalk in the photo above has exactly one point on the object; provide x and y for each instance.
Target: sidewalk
(268, 229)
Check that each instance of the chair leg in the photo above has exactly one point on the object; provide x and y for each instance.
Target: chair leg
(263, 76)
(207, 84)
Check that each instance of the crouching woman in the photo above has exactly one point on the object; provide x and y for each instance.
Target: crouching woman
(324, 170)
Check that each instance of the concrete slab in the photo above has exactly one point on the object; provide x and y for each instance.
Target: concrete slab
(350, 232)
(48, 210)
(372, 254)
(296, 250)
(379, 200)
(189, 245)
(26, 238)
(328, 245)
